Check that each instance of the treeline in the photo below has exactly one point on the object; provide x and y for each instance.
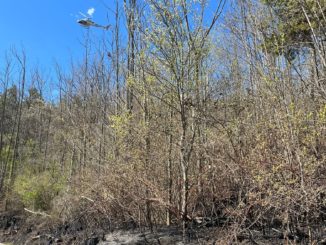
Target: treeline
(204, 116)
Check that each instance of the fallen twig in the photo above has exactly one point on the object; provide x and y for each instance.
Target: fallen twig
(87, 198)
(37, 213)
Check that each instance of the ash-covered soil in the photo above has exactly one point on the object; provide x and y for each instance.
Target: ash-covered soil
(17, 227)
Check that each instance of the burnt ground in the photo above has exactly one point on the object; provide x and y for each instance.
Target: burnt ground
(19, 227)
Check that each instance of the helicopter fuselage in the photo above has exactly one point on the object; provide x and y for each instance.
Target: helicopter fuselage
(88, 22)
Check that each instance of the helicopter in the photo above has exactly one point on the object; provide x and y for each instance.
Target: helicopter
(87, 22)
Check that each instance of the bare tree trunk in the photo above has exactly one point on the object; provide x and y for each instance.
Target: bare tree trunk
(130, 10)
(184, 167)
(169, 169)
(47, 141)
(3, 163)
(13, 165)
(117, 57)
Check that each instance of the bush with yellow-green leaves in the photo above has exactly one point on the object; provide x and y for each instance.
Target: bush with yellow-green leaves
(38, 191)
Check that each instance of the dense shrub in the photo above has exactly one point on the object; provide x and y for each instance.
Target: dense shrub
(37, 191)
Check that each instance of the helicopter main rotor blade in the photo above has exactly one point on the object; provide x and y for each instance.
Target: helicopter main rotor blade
(82, 14)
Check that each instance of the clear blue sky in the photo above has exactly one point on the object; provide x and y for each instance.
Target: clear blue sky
(47, 29)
